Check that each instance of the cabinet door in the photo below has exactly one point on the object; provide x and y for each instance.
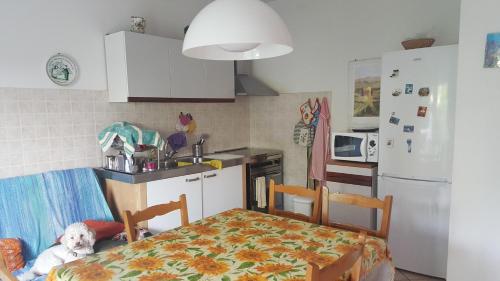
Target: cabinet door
(164, 191)
(148, 63)
(188, 74)
(222, 190)
(220, 79)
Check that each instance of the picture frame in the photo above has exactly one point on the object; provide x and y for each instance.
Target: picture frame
(492, 51)
(364, 79)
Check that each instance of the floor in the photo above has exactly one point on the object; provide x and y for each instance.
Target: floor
(402, 275)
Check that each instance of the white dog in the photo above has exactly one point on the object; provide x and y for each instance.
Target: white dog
(77, 242)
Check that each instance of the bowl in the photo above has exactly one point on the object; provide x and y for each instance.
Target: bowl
(418, 43)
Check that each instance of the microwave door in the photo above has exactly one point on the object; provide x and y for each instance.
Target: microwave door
(349, 148)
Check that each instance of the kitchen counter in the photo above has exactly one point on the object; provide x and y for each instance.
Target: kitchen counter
(229, 158)
(166, 173)
(250, 155)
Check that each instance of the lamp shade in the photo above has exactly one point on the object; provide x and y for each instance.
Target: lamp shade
(237, 30)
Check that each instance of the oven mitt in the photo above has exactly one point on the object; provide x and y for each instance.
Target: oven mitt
(306, 112)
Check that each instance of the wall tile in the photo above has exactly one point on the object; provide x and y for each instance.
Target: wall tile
(51, 129)
(272, 120)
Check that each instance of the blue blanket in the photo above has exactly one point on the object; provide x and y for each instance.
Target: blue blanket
(38, 208)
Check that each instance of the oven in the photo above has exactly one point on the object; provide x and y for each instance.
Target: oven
(269, 167)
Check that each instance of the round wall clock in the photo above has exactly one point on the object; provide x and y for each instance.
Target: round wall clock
(62, 70)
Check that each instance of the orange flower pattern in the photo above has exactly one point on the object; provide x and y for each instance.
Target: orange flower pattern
(93, 272)
(274, 268)
(209, 266)
(175, 247)
(236, 245)
(249, 277)
(252, 255)
(158, 277)
(146, 263)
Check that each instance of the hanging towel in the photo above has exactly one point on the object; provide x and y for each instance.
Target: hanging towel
(260, 190)
(321, 145)
(131, 136)
(315, 112)
(303, 134)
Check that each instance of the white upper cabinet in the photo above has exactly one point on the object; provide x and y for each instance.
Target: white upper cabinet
(143, 67)
(137, 65)
(189, 79)
(219, 83)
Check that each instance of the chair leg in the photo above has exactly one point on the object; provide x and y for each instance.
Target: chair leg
(184, 210)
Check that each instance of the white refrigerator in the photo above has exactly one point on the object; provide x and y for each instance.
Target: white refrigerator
(416, 150)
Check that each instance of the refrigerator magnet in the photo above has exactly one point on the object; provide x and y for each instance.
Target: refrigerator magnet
(409, 142)
(422, 111)
(408, 128)
(396, 92)
(395, 73)
(389, 143)
(424, 92)
(409, 89)
(394, 120)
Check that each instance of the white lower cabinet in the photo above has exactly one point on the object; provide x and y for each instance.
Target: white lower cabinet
(207, 194)
(164, 191)
(222, 190)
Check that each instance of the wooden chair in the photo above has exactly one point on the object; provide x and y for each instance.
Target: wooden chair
(154, 211)
(295, 190)
(360, 201)
(350, 261)
(5, 274)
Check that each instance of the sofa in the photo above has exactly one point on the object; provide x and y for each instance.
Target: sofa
(37, 208)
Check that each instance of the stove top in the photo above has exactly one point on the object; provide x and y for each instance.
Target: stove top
(251, 152)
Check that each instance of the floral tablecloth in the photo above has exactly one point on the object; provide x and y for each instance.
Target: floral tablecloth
(237, 245)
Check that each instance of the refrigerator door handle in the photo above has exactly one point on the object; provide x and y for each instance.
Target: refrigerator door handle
(441, 180)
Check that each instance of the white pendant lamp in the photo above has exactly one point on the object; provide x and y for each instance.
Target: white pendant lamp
(237, 30)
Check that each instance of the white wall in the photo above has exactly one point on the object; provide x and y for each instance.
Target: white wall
(33, 30)
(327, 34)
(474, 248)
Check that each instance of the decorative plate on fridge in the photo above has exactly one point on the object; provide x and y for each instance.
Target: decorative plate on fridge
(62, 70)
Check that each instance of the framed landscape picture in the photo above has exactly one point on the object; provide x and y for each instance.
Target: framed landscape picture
(364, 89)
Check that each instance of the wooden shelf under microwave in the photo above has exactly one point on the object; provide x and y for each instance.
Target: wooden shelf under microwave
(356, 173)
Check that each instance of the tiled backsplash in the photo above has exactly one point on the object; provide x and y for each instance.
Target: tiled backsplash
(44, 130)
(272, 120)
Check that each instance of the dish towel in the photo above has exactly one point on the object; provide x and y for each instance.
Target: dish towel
(321, 147)
(260, 190)
(131, 136)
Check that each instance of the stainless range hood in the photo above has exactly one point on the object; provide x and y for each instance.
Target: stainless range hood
(246, 84)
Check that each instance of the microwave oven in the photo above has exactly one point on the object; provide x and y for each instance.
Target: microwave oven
(359, 147)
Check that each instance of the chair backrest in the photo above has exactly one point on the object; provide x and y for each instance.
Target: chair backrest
(131, 220)
(352, 261)
(315, 195)
(5, 274)
(360, 201)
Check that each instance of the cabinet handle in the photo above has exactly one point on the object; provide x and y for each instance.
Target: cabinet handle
(210, 176)
(192, 180)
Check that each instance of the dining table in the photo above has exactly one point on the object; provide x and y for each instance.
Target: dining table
(238, 244)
